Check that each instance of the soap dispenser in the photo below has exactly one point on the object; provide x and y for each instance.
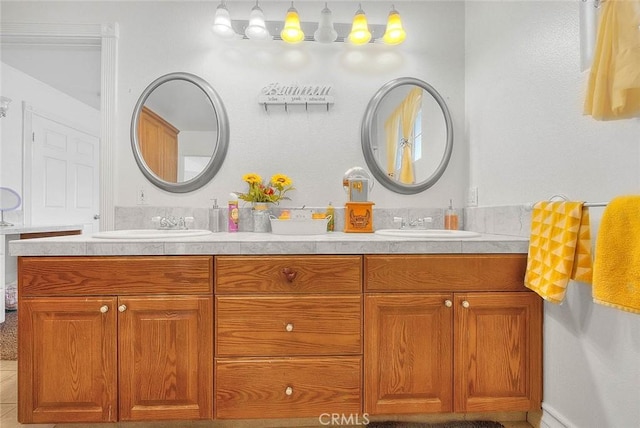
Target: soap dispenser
(451, 217)
(214, 217)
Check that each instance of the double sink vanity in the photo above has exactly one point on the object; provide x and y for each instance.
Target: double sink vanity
(246, 326)
(151, 325)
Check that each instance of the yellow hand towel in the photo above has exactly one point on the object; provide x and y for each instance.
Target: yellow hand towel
(616, 270)
(559, 248)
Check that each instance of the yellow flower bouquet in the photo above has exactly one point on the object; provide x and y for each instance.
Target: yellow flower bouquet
(272, 192)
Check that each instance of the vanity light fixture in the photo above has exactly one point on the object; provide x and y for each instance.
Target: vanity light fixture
(257, 28)
(292, 32)
(395, 34)
(325, 32)
(222, 22)
(360, 33)
(4, 105)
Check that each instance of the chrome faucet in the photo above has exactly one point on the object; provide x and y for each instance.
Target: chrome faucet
(166, 223)
(418, 223)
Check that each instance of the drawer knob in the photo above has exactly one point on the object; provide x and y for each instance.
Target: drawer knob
(465, 304)
(448, 303)
(122, 308)
(289, 273)
(288, 390)
(104, 309)
(289, 327)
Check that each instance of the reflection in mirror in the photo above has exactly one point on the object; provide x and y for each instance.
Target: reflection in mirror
(407, 135)
(179, 132)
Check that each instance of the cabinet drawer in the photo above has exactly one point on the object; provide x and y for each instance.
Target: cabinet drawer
(288, 387)
(450, 273)
(301, 325)
(288, 274)
(51, 276)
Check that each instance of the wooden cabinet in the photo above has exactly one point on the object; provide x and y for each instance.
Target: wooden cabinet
(288, 336)
(106, 339)
(115, 338)
(67, 360)
(159, 145)
(431, 351)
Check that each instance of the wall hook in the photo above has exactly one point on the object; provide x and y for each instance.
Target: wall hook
(286, 108)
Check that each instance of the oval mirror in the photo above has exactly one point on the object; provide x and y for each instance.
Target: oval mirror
(179, 132)
(407, 135)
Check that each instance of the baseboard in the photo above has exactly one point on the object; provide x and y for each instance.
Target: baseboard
(551, 418)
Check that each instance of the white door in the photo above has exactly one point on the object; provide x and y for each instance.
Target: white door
(64, 175)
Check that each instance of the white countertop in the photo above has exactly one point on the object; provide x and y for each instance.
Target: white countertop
(18, 229)
(266, 243)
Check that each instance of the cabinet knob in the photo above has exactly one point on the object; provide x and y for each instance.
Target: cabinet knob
(465, 304)
(289, 327)
(288, 390)
(122, 308)
(448, 303)
(104, 309)
(289, 273)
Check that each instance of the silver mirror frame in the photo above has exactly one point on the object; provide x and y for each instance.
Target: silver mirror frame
(222, 143)
(367, 137)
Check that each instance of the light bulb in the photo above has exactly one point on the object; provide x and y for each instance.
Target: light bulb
(222, 22)
(292, 33)
(257, 29)
(325, 32)
(394, 34)
(360, 33)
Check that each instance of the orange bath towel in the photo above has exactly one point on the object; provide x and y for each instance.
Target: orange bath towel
(616, 270)
(559, 248)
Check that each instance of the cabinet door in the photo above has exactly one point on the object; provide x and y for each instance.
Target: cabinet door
(165, 347)
(67, 360)
(408, 357)
(498, 357)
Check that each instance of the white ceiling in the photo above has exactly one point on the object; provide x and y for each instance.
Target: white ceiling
(74, 70)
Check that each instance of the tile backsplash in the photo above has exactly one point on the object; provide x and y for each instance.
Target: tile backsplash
(514, 220)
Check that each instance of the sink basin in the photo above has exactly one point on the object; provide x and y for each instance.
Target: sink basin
(150, 233)
(428, 233)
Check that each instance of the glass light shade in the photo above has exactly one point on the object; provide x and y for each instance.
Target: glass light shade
(292, 33)
(360, 33)
(394, 34)
(325, 32)
(257, 29)
(222, 22)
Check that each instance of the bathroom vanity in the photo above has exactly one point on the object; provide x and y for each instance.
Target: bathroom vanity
(256, 326)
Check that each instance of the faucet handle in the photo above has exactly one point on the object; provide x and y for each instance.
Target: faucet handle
(155, 221)
(399, 221)
(188, 222)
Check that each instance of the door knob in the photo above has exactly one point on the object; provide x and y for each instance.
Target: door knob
(465, 304)
(104, 309)
(448, 303)
(122, 308)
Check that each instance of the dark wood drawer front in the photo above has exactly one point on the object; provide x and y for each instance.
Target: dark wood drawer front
(288, 387)
(449, 273)
(288, 274)
(50, 276)
(279, 326)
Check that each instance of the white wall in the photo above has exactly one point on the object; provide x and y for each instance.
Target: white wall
(528, 140)
(315, 148)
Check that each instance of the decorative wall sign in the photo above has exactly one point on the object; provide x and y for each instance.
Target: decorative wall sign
(295, 94)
